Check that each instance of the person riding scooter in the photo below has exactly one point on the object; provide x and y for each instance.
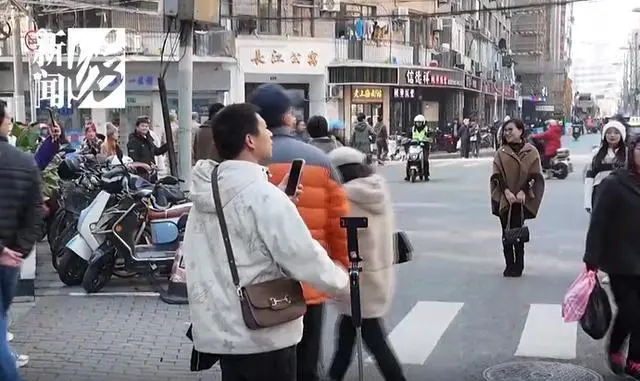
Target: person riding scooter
(420, 133)
(552, 142)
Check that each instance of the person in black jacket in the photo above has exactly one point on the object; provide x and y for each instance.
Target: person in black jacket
(141, 147)
(613, 246)
(21, 218)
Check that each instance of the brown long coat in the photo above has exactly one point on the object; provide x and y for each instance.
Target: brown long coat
(517, 171)
(203, 145)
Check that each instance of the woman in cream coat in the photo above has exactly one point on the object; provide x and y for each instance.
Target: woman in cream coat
(368, 197)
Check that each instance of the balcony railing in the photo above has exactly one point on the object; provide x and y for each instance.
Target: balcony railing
(206, 44)
(370, 51)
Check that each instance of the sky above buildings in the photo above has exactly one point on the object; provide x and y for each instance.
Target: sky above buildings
(601, 29)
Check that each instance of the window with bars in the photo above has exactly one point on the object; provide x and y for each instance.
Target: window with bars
(269, 16)
(348, 15)
(302, 20)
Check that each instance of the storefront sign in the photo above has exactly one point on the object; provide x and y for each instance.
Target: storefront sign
(508, 93)
(366, 93)
(431, 77)
(472, 82)
(404, 93)
(271, 55)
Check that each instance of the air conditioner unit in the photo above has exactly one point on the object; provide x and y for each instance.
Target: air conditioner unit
(330, 6)
(401, 12)
(334, 92)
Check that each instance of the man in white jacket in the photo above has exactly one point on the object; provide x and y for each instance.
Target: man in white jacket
(269, 240)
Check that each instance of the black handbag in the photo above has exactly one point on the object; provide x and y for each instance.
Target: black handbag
(597, 317)
(403, 248)
(520, 234)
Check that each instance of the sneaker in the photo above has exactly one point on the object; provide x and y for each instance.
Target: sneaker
(633, 369)
(22, 360)
(9, 336)
(616, 363)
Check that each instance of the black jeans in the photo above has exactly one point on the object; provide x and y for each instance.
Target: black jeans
(626, 293)
(309, 349)
(374, 338)
(276, 365)
(513, 253)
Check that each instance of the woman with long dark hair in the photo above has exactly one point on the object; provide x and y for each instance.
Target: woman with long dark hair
(611, 154)
(517, 187)
(612, 246)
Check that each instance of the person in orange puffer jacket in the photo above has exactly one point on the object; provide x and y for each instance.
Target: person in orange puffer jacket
(321, 205)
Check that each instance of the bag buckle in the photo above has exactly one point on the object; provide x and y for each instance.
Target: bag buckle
(239, 293)
(275, 302)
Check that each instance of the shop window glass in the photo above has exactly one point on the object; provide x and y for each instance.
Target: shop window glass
(370, 110)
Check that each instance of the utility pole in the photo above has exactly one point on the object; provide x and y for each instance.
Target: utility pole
(185, 102)
(18, 71)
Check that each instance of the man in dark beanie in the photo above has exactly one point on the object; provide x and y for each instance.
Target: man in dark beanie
(203, 146)
(321, 205)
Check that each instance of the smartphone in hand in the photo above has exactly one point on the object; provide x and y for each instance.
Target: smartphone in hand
(295, 174)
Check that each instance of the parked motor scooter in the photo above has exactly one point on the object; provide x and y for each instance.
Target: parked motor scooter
(122, 227)
(560, 165)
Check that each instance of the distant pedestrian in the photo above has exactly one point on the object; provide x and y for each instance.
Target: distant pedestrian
(369, 197)
(517, 187)
(301, 131)
(318, 129)
(203, 146)
(21, 218)
(268, 239)
(141, 146)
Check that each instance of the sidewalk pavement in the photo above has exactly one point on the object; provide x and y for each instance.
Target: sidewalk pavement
(104, 339)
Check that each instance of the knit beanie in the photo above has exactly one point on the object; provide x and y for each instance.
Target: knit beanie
(346, 155)
(273, 102)
(618, 126)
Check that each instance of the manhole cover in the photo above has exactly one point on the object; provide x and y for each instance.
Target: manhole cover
(539, 371)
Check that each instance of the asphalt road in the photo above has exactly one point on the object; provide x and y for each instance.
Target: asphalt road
(453, 316)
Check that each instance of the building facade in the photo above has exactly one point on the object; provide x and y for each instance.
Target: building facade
(541, 44)
(145, 37)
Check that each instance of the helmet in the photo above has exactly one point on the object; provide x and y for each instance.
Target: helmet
(419, 119)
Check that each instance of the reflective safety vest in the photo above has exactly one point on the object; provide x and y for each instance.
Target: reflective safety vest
(420, 136)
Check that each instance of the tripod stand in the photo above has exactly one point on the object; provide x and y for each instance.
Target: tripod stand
(352, 224)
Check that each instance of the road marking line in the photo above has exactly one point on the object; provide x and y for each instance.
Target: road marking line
(546, 335)
(440, 164)
(419, 332)
(133, 293)
(469, 165)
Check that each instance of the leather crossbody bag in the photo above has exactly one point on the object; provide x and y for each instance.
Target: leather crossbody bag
(515, 235)
(264, 304)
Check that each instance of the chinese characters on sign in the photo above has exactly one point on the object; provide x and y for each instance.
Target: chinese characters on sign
(431, 78)
(367, 94)
(402, 93)
(275, 56)
(471, 82)
(81, 82)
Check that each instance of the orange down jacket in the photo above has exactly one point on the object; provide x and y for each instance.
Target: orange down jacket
(322, 201)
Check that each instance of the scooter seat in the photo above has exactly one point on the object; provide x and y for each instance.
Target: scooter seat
(153, 214)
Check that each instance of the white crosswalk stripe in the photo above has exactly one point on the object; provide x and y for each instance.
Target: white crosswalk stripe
(544, 333)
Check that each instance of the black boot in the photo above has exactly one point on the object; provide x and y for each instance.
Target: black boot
(519, 259)
(509, 261)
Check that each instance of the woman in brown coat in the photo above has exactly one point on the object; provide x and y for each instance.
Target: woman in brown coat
(517, 187)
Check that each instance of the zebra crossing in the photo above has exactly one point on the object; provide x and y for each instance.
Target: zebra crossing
(485, 161)
(428, 323)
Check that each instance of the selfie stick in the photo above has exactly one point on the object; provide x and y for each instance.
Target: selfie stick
(352, 224)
